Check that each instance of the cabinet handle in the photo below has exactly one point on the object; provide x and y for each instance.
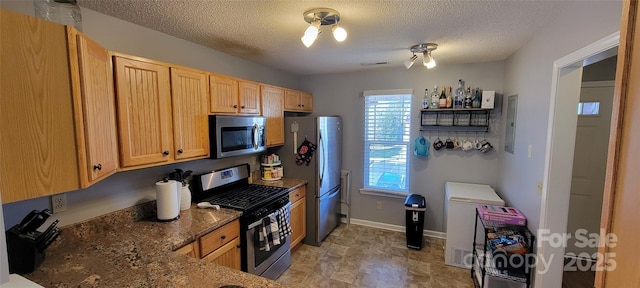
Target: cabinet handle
(242, 106)
(235, 106)
(180, 151)
(301, 105)
(97, 167)
(165, 153)
(238, 246)
(297, 195)
(223, 237)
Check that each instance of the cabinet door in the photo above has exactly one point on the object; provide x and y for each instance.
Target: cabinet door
(298, 215)
(272, 109)
(306, 102)
(37, 134)
(143, 99)
(249, 97)
(224, 94)
(190, 113)
(227, 255)
(291, 100)
(98, 111)
(298, 218)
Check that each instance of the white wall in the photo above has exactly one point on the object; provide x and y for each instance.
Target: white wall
(128, 188)
(528, 74)
(341, 94)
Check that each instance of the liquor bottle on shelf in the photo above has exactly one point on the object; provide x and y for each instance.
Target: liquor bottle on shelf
(443, 99)
(459, 99)
(435, 98)
(425, 99)
(449, 98)
(467, 98)
(477, 99)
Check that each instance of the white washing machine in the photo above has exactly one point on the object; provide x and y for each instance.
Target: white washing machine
(460, 213)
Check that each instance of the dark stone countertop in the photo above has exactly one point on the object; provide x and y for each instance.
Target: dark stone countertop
(130, 248)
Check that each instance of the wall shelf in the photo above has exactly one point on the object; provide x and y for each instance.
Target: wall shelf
(458, 120)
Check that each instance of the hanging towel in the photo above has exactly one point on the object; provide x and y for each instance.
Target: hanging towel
(284, 221)
(275, 235)
(263, 235)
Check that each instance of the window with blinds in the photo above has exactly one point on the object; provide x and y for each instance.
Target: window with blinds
(387, 123)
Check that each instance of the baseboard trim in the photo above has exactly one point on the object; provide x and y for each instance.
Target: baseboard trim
(392, 227)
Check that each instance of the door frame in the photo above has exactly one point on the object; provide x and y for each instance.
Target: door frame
(561, 132)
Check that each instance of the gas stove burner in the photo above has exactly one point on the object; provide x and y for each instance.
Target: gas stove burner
(246, 197)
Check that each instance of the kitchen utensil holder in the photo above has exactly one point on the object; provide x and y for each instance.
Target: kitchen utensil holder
(24, 256)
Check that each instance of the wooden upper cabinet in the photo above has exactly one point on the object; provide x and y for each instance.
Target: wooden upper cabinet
(190, 113)
(272, 109)
(57, 105)
(249, 97)
(232, 96)
(97, 144)
(143, 101)
(224, 94)
(306, 102)
(297, 101)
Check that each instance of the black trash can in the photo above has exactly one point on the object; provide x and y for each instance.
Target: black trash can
(415, 205)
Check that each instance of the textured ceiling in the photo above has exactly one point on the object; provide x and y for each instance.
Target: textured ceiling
(269, 31)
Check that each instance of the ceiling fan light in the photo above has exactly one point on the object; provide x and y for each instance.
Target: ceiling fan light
(339, 33)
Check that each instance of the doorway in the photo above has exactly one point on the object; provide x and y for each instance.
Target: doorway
(561, 140)
(588, 174)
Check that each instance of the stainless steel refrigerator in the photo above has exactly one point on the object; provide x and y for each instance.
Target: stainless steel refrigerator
(323, 171)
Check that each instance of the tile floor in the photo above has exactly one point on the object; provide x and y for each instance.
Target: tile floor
(359, 256)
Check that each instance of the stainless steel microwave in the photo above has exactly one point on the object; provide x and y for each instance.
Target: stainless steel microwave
(236, 135)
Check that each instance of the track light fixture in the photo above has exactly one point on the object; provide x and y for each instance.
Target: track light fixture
(322, 17)
(410, 62)
(427, 58)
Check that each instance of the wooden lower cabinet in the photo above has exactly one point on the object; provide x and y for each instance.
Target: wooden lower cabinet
(222, 246)
(188, 250)
(227, 255)
(298, 216)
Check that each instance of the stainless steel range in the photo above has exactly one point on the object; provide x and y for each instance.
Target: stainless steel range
(230, 188)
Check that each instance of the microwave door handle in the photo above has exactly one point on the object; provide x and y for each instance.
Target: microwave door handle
(254, 136)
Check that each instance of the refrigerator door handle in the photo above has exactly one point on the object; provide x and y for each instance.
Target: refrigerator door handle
(321, 155)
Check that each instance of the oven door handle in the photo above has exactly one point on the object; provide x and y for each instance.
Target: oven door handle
(254, 224)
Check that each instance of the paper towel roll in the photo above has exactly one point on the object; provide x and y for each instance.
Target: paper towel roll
(168, 200)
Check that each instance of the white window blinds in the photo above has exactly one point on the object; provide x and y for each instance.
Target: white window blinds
(387, 123)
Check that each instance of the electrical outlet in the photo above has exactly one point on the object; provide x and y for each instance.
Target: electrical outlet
(59, 203)
(379, 206)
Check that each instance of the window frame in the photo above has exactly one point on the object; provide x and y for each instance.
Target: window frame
(407, 95)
